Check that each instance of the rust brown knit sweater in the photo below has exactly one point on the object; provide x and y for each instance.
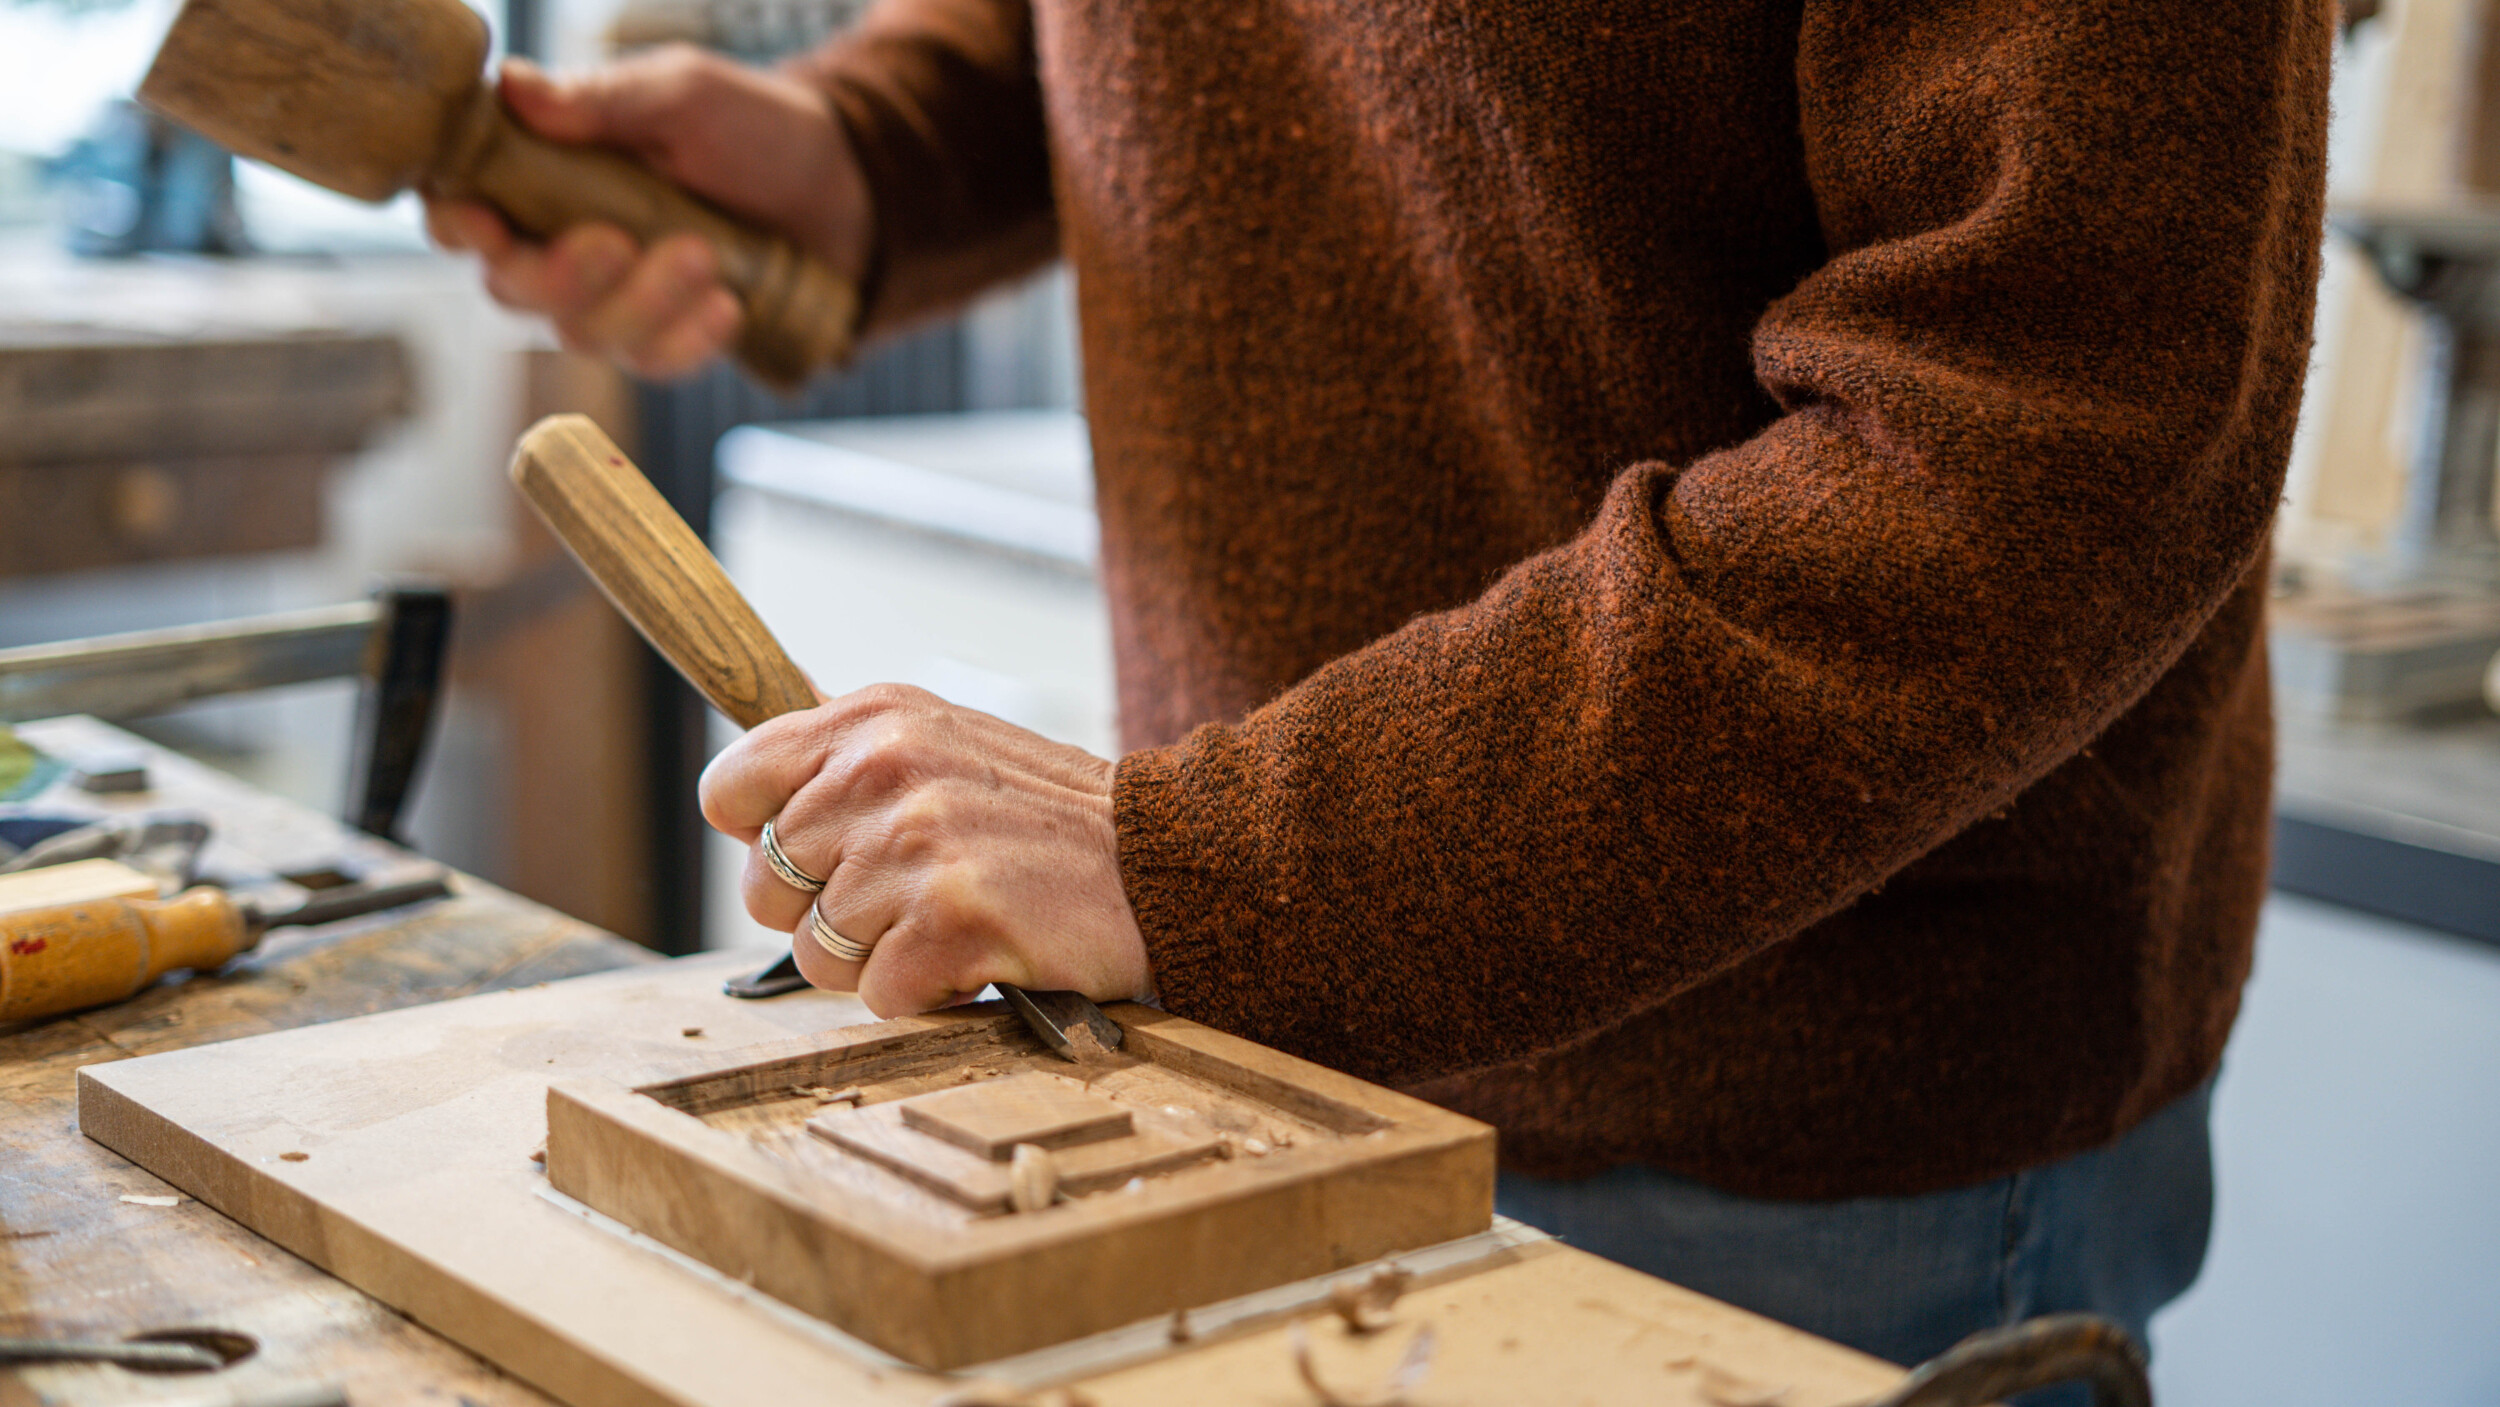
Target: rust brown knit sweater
(1687, 576)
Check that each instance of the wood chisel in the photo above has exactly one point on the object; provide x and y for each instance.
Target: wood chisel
(667, 583)
(68, 957)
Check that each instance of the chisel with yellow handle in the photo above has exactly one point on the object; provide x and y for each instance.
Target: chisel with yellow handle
(673, 590)
(68, 957)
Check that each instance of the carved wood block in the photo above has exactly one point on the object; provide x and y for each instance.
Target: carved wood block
(884, 1135)
(1240, 1168)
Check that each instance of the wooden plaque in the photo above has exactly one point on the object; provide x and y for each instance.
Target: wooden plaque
(1239, 1168)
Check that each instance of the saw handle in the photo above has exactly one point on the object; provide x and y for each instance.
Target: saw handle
(799, 314)
(659, 574)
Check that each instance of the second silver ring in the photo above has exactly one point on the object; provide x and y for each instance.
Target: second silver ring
(831, 940)
(790, 873)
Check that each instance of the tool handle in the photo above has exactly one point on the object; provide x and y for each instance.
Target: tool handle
(73, 956)
(656, 570)
(671, 587)
(800, 314)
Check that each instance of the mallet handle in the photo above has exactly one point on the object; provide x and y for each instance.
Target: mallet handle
(800, 314)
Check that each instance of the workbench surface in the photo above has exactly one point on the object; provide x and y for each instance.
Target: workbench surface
(1539, 1323)
(77, 1261)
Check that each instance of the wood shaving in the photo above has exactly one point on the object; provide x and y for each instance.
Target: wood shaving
(1178, 1331)
(986, 1392)
(293, 1156)
(1032, 1178)
(138, 1201)
(851, 1094)
(1403, 1379)
(538, 1155)
(1367, 1305)
(1086, 1048)
(1255, 1147)
(691, 1032)
(1724, 1389)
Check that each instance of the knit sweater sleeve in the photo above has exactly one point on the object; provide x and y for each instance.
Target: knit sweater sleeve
(2035, 408)
(943, 105)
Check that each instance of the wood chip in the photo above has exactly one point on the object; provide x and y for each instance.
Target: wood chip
(1722, 1388)
(1367, 1305)
(293, 1156)
(986, 1392)
(851, 1094)
(1402, 1379)
(1084, 1047)
(1033, 1178)
(138, 1201)
(691, 1032)
(1178, 1331)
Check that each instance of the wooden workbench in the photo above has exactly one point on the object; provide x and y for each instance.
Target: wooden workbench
(76, 1261)
(602, 1319)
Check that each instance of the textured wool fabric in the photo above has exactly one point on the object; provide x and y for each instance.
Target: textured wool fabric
(1688, 578)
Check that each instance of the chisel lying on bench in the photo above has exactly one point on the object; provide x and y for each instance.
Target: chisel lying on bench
(668, 584)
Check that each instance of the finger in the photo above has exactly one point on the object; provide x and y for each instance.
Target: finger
(585, 267)
(771, 900)
(819, 966)
(754, 778)
(703, 333)
(641, 310)
(467, 225)
(911, 970)
(823, 963)
(553, 108)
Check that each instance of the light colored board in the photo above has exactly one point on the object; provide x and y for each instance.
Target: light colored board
(992, 1117)
(418, 1188)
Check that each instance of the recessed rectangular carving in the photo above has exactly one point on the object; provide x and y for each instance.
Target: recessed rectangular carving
(893, 1227)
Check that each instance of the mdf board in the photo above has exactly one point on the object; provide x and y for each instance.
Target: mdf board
(1189, 1167)
(416, 1184)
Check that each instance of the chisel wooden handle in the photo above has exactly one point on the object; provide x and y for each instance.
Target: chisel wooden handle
(671, 587)
(73, 956)
(656, 570)
(799, 313)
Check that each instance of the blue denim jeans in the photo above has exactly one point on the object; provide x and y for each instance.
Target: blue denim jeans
(2118, 1231)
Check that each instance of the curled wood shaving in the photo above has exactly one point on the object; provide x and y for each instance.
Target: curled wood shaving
(1722, 1388)
(985, 1392)
(1366, 1305)
(1412, 1365)
(1032, 1178)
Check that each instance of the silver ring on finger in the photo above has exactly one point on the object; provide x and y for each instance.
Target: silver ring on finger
(790, 873)
(831, 940)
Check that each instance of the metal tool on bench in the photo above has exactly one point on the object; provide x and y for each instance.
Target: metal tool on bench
(68, 957)
(665, 581)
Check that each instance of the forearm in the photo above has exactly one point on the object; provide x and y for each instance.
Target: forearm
(2036, 409)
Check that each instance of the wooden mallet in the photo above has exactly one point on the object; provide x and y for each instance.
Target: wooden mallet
(373, 97)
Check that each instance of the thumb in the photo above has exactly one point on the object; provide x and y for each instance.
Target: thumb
(558, 110)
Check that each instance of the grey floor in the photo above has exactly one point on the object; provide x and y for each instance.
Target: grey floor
(2356, 1252)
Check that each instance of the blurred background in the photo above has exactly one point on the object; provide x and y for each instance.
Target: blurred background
(224, 393)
